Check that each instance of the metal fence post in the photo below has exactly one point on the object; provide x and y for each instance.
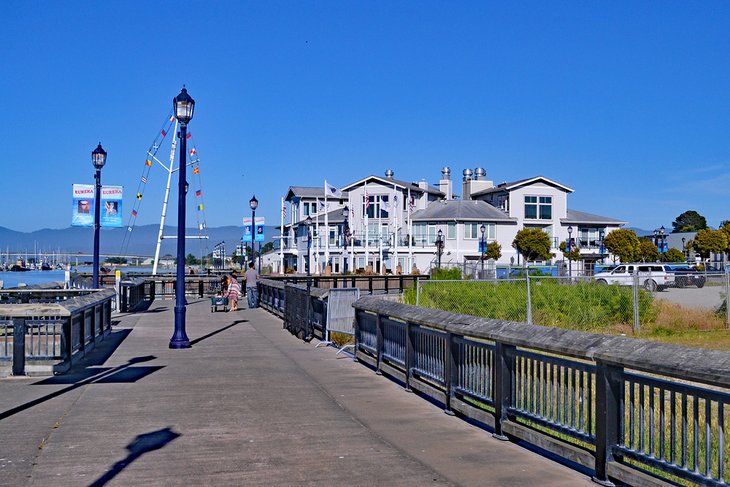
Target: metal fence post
(409, 355)
(18, 346)
(418, 292)
(504, 367)
(450, 371)
(635, 301)
(727, 296)
(609, 398)
(379, 346)
(529, 300)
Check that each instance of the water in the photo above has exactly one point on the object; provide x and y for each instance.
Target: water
(13, 279)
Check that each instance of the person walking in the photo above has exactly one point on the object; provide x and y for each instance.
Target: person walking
(251, 289)
(234, 291)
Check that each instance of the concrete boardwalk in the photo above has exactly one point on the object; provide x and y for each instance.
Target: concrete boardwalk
(248, 404)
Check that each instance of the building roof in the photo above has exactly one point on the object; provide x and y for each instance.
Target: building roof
(414, 187)
(520, 183)
(304, 192)
(460, 210)
(576, 217)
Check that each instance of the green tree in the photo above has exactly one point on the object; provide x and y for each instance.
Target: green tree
(674, 255)
(494, 251)
(622, 243)
(648, 252)
(725, 228)
(689, 221)
(574, 253)
(709, 241)
(533, 244)
(190, 259)
(268, 247)
(115, 260)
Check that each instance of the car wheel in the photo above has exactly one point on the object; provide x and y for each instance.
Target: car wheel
(650, 285)
(700, 283)
(602, 282)
(680, 282)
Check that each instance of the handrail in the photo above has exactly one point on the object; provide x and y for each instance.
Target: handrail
(609, 403)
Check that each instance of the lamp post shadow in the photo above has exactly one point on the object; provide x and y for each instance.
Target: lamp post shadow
(142, 444)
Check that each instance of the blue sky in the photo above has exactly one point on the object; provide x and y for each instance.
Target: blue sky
(628, 103)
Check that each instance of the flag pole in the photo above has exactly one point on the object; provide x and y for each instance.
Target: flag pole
(326, 229)
(281, 240)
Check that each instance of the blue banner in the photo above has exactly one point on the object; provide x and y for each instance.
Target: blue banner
(247, 229)
(82, 213)
(260, 229)
(111, 206)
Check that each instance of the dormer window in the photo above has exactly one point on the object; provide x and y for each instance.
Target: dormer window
(538, 207)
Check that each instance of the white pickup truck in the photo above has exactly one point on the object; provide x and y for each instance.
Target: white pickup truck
(652, 276)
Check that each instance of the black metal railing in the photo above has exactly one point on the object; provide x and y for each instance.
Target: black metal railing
(45, 336)
(631, 410)
(367, 284)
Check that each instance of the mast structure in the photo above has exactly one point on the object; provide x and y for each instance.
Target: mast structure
(170, 169)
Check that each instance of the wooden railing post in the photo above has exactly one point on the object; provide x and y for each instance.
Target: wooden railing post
(410, 350)
(200, 288)
(450, 371)
(504, 369)
(18, 346)
(609, 397)
(379, 343)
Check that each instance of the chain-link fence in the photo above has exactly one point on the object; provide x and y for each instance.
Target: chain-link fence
(585, 303)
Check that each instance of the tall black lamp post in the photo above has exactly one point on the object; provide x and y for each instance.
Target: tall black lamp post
(184, 106)
(569, 248)
(254, 203)
(684, 250)
(439, 246)
(601, 248)
(483, 245)
(346, 232)
(98, 158)
(659, 238)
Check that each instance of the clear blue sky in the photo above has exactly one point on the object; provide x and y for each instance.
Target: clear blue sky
(626, 102)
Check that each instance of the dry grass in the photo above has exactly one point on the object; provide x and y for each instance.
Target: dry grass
(687, 326)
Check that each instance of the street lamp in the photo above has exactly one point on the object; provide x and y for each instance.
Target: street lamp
(184, 106)
(483, 245)
(439, 246)
(659, 237)
(346, 231)
(601, 248)
(569, 248)
(254, 203)
(684, 250)
(308, 222)
(98, 158)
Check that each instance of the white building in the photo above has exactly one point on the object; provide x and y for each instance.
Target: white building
(394, 225)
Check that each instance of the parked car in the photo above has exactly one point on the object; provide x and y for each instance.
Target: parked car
(688, 276)
(652, 276)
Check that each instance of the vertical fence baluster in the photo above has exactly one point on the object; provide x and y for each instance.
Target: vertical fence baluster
(721, 441)
(708, 437)
(504, 372)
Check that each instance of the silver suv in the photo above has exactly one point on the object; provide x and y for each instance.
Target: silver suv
(652, 276)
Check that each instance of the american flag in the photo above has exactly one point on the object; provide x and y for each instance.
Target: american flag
(411, 204)
(367, 199)
(283, 209)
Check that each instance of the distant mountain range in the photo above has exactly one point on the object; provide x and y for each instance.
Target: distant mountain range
(142, 240)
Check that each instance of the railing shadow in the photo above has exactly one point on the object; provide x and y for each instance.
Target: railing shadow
(142, 444)
(121, 373)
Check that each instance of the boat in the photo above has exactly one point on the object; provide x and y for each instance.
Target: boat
(19, 268)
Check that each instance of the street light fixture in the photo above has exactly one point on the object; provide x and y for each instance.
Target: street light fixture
(184, 107)
(439, 246)
(601, 248)
(254, 203)
(346, 232)
(98, 158)
(483, 245)
(684, 250)
(660, 237)
(569, 248)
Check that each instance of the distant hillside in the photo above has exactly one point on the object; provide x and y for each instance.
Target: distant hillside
(142, 242)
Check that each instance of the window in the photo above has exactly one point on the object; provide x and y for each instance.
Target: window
(420, 233)
(451, 230)
(432, 234)
(474, 231)
(379, 206)
(538, 207)
(305, 209)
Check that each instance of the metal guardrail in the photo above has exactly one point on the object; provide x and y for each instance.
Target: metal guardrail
(631, 410)
(46, 336)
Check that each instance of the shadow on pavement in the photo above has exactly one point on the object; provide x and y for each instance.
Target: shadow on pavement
(142, 444)
(213, 333)
(122, 373)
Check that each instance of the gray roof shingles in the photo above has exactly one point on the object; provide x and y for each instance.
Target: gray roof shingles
(459, 210)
